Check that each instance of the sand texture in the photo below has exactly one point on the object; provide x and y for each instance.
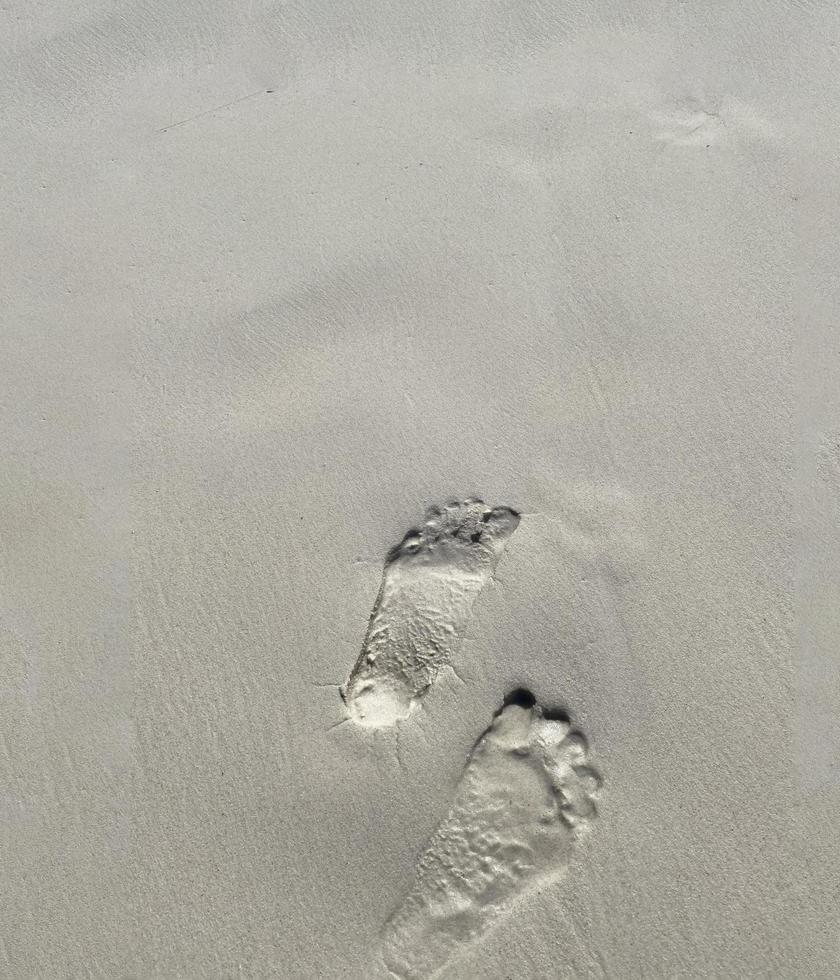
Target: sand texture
(420, 490)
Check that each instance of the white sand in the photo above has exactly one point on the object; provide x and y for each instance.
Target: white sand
(578, 260)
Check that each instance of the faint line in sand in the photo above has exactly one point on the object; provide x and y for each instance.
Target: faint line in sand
(207, 112)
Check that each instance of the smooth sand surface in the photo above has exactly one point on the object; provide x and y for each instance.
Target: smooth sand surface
(277, 277)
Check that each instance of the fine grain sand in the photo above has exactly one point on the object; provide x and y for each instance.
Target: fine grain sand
(277, 277)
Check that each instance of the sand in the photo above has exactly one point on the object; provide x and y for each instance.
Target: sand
(279, 277)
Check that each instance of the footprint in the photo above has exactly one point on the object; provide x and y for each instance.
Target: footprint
(695, 122)
(429, 584)
(525, 795)
(690, 125)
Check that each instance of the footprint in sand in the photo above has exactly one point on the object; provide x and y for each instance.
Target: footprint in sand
(698, 123)
(525, 795)
(429, 584)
